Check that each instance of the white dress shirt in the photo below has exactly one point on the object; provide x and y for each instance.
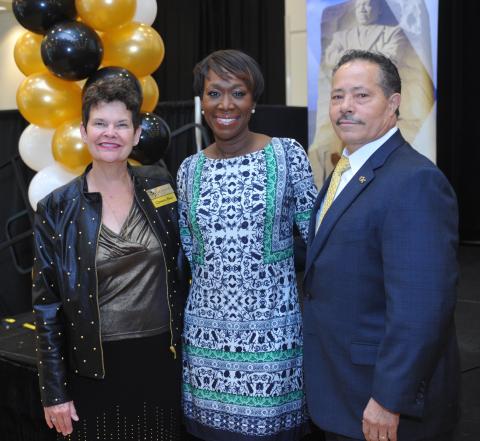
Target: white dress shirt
(356, 159)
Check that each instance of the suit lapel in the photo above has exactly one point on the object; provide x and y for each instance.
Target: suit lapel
(316, 207)
(359, 182)
(372, 36)
(356, 185)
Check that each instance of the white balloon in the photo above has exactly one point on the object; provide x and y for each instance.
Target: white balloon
(47, 180)
(146, 11)
(35, 147)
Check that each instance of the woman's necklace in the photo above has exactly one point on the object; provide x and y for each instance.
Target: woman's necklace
(222, 154)
(121, 220)
(243, 150)
(250, 144)
(118, 207)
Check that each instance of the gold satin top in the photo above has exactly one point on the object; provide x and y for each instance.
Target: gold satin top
(132, 286)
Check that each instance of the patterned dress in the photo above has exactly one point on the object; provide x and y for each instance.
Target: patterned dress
(242, 366)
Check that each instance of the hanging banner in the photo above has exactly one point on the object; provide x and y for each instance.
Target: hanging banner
(405, 31)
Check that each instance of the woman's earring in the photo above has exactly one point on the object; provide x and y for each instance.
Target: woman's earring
(253, 110)
(203, 112)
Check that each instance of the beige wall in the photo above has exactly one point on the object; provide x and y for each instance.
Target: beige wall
(10, 76)
(296, 52)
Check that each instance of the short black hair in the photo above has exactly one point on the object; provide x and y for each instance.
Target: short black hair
(230, 62)
(390, 81)
(111, 89)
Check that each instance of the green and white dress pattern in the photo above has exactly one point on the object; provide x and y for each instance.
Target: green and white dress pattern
(242, 374)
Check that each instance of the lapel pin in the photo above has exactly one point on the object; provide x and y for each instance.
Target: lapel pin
(362, 179)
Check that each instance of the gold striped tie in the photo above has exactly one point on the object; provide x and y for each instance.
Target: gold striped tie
(342, 165)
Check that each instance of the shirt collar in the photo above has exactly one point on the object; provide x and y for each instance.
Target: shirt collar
(360, 156)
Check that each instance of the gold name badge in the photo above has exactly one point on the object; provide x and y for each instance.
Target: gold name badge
(162, 195)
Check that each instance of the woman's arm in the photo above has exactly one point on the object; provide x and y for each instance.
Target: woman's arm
(183, 207)
(49, 323)
(304, 189)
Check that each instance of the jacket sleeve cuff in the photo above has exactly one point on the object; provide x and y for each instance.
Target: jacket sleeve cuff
(53, 393)
(409, 402)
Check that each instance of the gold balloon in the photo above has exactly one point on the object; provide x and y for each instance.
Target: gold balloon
(134, 162)
(150, 94)
(47, 101)
(135, 46)
(27, 53)
(106, 14)
(68, 147)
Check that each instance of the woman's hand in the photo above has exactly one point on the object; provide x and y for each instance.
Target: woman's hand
(61, 416)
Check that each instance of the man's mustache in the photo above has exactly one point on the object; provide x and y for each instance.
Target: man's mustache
(348, 118)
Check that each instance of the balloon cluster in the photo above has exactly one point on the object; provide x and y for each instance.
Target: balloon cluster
(65, 43)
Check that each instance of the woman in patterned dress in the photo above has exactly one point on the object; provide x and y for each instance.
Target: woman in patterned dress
(238, 201)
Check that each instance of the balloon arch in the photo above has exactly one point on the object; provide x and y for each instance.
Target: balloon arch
(69, 43)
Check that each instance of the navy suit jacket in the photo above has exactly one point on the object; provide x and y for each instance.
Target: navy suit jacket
(380, 285)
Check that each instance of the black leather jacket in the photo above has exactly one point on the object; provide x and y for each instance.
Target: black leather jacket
(65, 298)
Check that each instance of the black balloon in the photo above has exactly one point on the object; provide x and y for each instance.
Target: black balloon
(154, 139)
(72, 50)
(40, 15)
(112, 72)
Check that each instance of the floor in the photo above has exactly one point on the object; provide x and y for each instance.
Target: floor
(468, 327)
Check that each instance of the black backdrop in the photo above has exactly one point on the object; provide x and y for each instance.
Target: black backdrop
(14, 287)
(193, 28)
(458, 99)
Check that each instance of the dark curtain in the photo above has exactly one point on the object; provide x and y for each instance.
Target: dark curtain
(15, 287)
(458, 95)
(191, 29)
(281, 121)
(177, 115)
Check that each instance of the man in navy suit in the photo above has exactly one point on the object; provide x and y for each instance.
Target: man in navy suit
(380, 350)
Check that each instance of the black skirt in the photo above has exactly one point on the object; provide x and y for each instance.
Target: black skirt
(139, 398)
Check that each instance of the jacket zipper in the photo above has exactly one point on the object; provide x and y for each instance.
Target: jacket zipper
(172, 347)
(96, 289)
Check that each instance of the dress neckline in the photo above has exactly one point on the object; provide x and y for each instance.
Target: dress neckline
(246, 155)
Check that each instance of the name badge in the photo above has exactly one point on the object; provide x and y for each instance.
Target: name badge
(162, 195)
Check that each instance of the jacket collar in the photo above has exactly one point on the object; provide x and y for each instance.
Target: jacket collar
(84, 185)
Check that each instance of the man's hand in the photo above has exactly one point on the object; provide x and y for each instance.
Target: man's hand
(379, 423)
(60, 416)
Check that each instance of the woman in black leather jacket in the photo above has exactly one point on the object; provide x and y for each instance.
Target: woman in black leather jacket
(109, 285)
